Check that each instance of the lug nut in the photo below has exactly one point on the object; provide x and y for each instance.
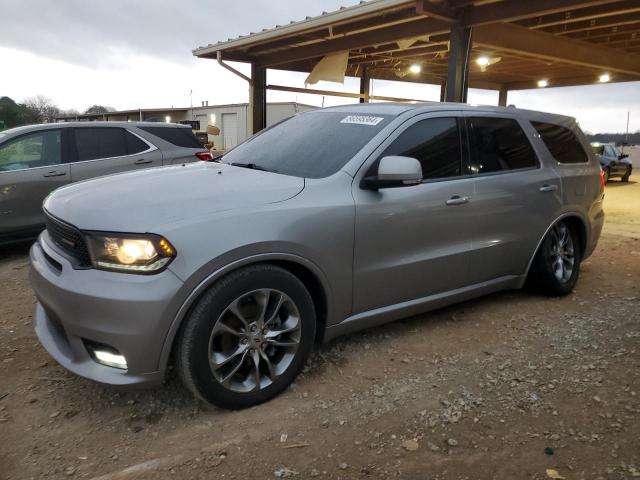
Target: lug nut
(244, 341)
(253, 328)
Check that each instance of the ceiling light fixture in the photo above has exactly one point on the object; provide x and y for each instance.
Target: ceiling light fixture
(604, 78)
(415, 68)
(543, 83)
(484, 61)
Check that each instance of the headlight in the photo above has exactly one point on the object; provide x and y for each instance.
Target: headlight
(130, 253)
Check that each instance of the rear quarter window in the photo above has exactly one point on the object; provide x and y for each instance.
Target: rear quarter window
(180, 137)
(561, 142)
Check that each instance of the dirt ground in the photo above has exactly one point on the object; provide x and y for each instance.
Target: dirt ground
(476, 391)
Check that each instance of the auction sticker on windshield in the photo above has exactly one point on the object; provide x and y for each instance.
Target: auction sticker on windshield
(362, 120)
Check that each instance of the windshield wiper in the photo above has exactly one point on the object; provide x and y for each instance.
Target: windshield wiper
(252, 166)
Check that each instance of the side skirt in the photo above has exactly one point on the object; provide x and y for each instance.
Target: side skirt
(409, 308)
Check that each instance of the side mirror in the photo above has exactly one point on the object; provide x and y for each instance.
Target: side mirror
(395, 171)
(623, 156)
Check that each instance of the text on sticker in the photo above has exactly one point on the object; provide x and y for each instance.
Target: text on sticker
(362, 120)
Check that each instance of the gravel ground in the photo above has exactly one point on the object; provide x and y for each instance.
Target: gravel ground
(508, 386)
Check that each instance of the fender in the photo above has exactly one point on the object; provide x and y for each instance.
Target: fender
(564, 215)
(217, 274)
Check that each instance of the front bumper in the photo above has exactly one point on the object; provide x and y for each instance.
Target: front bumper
(131, 313)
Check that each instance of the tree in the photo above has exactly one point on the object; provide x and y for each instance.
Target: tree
(9, 113)
(97, 109)
(42, 108)
(13, 114)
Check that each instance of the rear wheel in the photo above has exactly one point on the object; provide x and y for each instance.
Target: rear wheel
(625, 177)
(247, 338)
(556, 266)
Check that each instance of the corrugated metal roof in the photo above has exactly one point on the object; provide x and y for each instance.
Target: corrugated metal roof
(325, 19)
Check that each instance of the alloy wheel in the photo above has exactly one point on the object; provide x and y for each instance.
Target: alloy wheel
(255, 340)
(562, 252)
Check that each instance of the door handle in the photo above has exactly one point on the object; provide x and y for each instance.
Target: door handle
(457, 200)
(548, 188)
(54, 173)
(142, 161)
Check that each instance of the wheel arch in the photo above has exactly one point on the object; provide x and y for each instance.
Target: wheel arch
(306, 271)
(576, 222)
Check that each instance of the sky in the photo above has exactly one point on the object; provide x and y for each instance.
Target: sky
(138, 54)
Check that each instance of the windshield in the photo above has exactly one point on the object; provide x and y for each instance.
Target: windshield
(312, 145)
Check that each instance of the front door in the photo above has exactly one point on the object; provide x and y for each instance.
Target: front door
(31, 167)
(106, 150)
(414, 241)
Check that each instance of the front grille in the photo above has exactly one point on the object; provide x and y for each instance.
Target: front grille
(69, 239)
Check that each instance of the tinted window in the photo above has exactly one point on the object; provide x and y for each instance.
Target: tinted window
(499, 144)
(94, 143)
(134, 144)
(313, 145)
(561, 142)
(435, 143)
(34, 150)
(180, 137)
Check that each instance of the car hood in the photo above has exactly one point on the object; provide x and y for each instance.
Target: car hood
(143, 200)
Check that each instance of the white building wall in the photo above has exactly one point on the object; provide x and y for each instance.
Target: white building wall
(212, 115)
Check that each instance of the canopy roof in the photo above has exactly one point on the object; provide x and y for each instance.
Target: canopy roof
(566, 42)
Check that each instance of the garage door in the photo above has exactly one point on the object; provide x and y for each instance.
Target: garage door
(230, 130)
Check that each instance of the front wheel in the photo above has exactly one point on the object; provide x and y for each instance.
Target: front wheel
(247, 337)
(625, 177)
(556, 266)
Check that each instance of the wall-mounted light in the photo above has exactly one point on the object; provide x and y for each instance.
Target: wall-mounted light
(415, 68)
(167, 119)
(543, 83)
(604, 78)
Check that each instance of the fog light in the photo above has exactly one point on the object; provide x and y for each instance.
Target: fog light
(109, 358)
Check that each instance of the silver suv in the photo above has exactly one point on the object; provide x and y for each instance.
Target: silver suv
(329, 222)
(37, 159)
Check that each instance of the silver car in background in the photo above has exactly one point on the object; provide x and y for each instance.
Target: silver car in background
(37, 159)
(329, 222)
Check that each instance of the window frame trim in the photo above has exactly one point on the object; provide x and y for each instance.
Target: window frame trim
(376, 155)
(64, 147)
(74, 150)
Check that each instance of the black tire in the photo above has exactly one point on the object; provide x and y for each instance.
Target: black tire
(197, 341)
(543, 275)
(607, 172)
(625, 177)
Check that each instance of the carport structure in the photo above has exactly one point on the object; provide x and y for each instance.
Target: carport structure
(498, 45)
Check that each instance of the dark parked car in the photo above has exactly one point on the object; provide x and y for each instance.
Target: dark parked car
(613, 162)
(37, 159)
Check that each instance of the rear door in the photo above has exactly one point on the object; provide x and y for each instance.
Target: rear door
(516, 196)
(99, 151)
(31, 167)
